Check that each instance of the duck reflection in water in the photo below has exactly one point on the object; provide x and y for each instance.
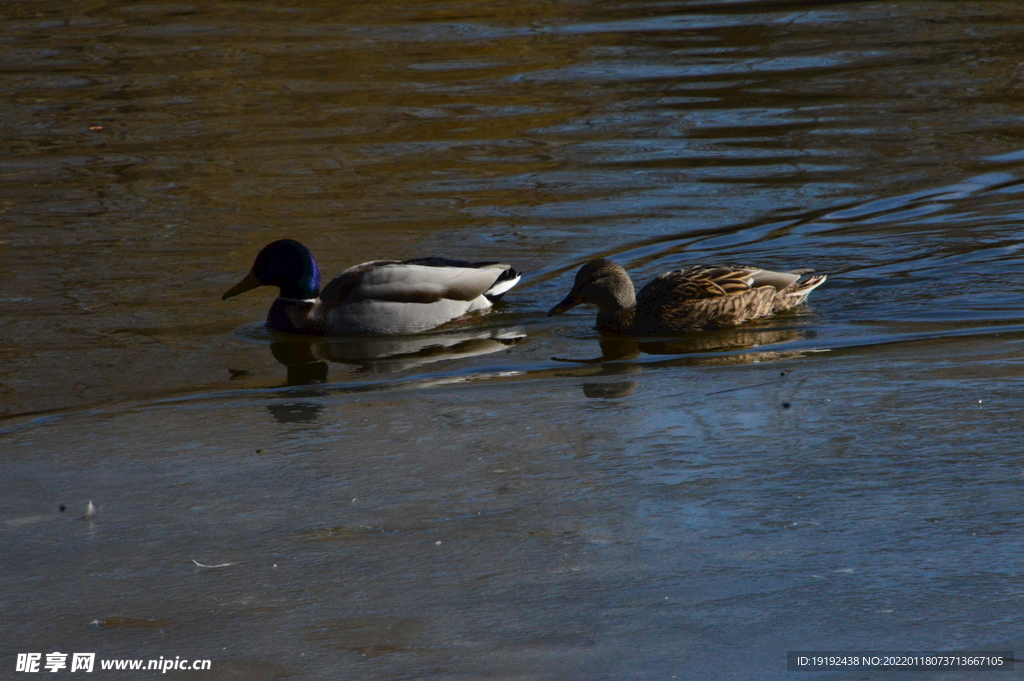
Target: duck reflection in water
(307, 360)
(705, 345)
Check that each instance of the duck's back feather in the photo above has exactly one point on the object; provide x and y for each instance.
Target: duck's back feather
(399, 297)
(697, 282)
(424, 280)
(508, 278)
(708, 296)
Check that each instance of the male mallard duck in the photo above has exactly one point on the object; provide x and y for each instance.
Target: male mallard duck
(691, 299)
(379, 297)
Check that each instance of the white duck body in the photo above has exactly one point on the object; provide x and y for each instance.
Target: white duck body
(387, 297)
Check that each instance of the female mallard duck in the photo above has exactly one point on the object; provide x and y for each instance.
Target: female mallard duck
(691, 299)
(387, 297)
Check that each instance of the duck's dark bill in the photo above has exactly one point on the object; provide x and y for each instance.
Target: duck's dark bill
(567, 304)
(250, 282)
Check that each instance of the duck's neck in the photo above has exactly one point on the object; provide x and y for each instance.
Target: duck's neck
(293, 315)
(308, 288)
(616, 309)
(616, 319)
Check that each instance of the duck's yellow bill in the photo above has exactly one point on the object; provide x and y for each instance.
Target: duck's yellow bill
(250, 282)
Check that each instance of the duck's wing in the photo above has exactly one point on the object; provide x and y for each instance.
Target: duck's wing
(790, 289)
(343, 288)
(507, 278)
(424, 280)
(701, 297)
(714, 281)
(780, 281)
(699, 282)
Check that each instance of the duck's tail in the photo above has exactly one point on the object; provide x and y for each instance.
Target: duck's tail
(797, 293)
(502, 284)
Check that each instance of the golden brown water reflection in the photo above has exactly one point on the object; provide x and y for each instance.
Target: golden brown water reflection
(657, 507)
(154, 147)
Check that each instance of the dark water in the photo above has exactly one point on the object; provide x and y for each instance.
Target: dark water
(464, 505)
